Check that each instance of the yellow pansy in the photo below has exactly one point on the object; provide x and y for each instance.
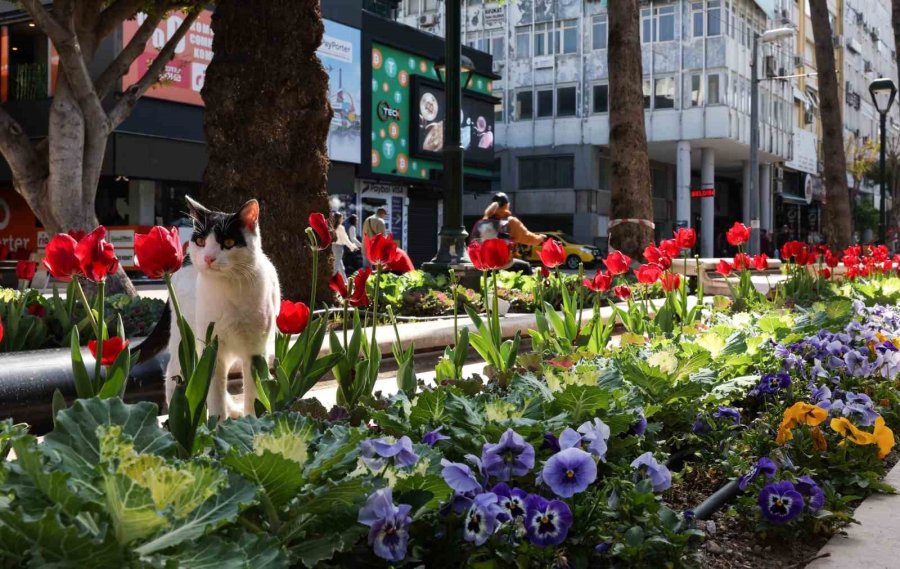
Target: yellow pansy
(845, 428)
(819, 442)
(884, 437)
(799, 413)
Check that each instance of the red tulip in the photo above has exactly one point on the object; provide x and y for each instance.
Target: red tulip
(601, 282)
(741, 261)
(380, 249)
(723, 268)
(319, 225)
(1, 329)
(338, 285)
(77, 234)
(293, 317)
(738, 234)
(159, 252)
(545, 273)
(622, 292)
(96, 256)
(670, 281)
(359, 297)
(670, 247)
(552, 254)
(826, 273)
(648, 274)
(400, 262)
(831, 259)
(60, 259)
(803, 257)
(35, 309)
(111, 349)
(761, 262)
(686, 238)
(25, 270)
(490, 254)
(655, 255)
(617, 263)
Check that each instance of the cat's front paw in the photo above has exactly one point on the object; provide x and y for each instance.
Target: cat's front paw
(235, 410)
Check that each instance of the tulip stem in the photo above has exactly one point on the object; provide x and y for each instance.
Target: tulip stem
(373, 344)
(101, 326)
(87, 306)
(315, 279)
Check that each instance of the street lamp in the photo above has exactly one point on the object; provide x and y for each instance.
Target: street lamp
(465, 66)
(883, 92)
(765, 37)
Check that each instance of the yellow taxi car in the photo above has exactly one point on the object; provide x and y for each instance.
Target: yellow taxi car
(575, 252)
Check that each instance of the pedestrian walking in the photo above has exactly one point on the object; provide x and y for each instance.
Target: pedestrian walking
(499, 222)
(340, 244)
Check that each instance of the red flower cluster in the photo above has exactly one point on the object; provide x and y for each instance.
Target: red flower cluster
(25, 270)
(92, 256)
(600, 283)
(358, 297)
(867, 260)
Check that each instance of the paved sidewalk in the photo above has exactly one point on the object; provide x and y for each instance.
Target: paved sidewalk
(874, 543)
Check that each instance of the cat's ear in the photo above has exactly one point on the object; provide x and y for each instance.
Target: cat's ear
(249, 215)
(195, 210)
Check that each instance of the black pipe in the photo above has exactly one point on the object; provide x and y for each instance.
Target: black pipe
(712, 504)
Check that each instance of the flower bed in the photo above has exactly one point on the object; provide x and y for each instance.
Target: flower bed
(582, 453)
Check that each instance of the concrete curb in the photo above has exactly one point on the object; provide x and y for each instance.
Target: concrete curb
(872, 543)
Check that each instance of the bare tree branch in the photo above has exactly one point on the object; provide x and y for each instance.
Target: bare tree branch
(107, 80)
(115, 14)
(71, 58)
(123, 106)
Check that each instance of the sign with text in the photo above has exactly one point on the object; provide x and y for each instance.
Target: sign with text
(340, 56)
(704, 193)
(184, 75)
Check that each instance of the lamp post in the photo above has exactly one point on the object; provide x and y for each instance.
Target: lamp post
(883, 92)
(452, 236)
(765, 37)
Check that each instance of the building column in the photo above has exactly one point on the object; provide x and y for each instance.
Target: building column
(683, 184)
(707, 204)
(765, 198)
(745, 194)
(142, 202)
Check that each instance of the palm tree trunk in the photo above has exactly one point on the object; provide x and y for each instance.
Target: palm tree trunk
(267, 117)
(837, 213)
(631, 192)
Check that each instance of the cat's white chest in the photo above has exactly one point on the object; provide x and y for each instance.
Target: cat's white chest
(243, 312)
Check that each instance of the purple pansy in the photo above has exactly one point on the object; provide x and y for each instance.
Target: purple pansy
(551, 442)
(602, 548)
(856, 406)
(510, 457)
(780, 502)
(375, 451)
(858, 363)
(569, 472)
(763, 466)
(659, 474)
(483, 518)
(596, 434)
(432, 438)
(569, 438)
(815, 496)
(728, 413)
(388, 525)
(639, 427)
(547, 522)
(511, 499)
(772, 383)
(459, 477)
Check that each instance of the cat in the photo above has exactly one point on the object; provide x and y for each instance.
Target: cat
(229, 282)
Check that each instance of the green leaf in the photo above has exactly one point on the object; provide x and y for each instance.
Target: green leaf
(311, 552)
(53, 483)
(582, 402)
(117, 375)
(432, 483)
(279, 477)
(348, 493)
(336, 450)
(428, 409)
(57, 404)
(198, 383)
(131, 507)
(83, 385)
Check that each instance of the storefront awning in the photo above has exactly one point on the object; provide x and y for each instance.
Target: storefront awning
(793, 200)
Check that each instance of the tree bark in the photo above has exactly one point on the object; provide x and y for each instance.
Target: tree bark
(267, 117)
(631, 192)
(837, 212)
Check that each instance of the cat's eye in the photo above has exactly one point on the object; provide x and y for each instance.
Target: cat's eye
(228, 244)
(200, 241)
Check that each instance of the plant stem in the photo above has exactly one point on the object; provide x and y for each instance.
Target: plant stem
(271, 513)
(374, 345)
(101, 325)
(314, 280)
(345, 322)
(87, 306)
(495, 317)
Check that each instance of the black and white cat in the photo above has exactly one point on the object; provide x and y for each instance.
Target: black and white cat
(231, 283)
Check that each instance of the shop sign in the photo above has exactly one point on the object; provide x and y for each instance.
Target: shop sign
(704, 193)
(494, 15)
(340, 54)
(18, 225)
(392, 189)
(805, 158)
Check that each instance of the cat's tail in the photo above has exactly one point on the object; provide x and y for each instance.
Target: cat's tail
(158, 339)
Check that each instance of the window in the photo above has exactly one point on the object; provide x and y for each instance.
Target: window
(567, 36)
(546, 172)
(646, 93)
(523, 42)
(543, 39)
(712, 89)
(697, 17)
(696, 91)
(565, 102)
(601, 99)
(713, 17)
(498, 107)
(524, 105)
(430, 5)
(646, 25)
(665, 23)
(599, 32)
(664, 93)
(545, 103)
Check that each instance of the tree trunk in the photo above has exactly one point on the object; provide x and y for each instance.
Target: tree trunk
(837, 212)
(631, 192)
(267, 117)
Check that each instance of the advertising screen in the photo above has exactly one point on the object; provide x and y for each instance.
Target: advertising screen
(340, 56)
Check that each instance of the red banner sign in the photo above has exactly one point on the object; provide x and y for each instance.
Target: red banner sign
(704, 193)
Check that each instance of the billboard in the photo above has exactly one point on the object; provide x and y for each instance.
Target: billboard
(476, 123)
(184, 75)
(397, 147)
(341, 58)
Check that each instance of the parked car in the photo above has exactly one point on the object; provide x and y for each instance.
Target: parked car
(575, 252)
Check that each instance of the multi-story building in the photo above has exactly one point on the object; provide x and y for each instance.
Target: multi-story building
(553, 124)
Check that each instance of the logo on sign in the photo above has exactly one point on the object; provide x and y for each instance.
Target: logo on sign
(336, 49)
(198, 76)
(387, 112)
(703, 193)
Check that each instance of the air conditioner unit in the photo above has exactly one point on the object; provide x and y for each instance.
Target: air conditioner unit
(860, 18)
(770, 66)
(798, 61)
(782, 72)
(498, 66)
(427, 21)
(867, 66)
